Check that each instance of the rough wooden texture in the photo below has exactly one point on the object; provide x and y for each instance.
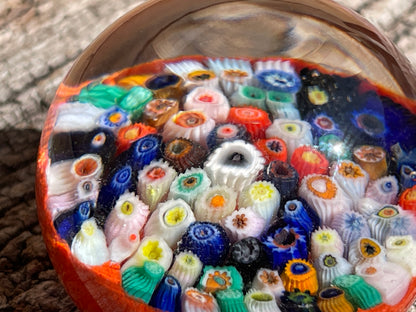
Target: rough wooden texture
(39, 39)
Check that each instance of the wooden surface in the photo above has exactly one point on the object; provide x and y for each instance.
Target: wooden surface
(39, 39)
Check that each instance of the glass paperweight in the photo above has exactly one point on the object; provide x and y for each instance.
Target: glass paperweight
(233, 156)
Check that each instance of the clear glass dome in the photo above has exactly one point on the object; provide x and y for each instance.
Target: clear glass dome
(321, 32)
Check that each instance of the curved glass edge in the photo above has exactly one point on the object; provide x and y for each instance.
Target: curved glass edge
(114, 49)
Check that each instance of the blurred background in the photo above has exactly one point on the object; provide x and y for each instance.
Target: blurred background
(39, 40)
